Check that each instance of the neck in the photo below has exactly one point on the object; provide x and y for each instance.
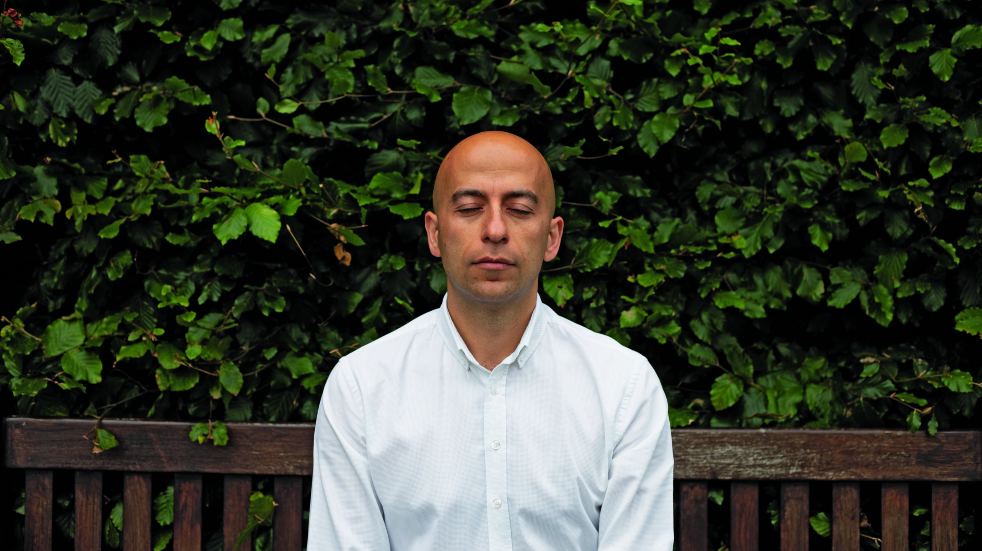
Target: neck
(490, 331)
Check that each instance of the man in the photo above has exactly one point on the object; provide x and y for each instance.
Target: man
(492, 423)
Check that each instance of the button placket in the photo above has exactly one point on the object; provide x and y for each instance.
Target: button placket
(495, 460)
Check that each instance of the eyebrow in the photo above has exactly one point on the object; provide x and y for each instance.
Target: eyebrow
(516, 194)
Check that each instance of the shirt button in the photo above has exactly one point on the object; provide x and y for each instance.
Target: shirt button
(494, 390)
(495, 444)
(496, 503)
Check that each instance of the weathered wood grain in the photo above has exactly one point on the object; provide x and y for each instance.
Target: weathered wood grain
(944, 516)
(794, 516)
(187, 512)
(744, 516)
(39, 485)
(700, 454)
(845, 516)
(235, 512)
(693, 516)
(136, 512)
(288, 518)
(158, 446)
(796, 454)
(88, 511)
(894, 507)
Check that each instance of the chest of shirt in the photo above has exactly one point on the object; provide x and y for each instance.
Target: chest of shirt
(539, 435)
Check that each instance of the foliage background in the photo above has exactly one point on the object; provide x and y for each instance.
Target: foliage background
(204, 205)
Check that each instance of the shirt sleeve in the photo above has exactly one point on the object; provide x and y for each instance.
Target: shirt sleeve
(637, 507)
(345, 514)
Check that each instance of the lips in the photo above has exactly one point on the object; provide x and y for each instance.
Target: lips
(493, 263)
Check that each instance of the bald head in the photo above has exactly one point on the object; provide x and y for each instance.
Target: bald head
(490, 153)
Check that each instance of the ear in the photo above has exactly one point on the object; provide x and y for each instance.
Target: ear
(432, 224)
(554, 238)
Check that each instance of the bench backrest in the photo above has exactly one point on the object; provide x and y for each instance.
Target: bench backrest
(740, 463)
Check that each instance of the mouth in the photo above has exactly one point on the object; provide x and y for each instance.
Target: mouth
(493, 263)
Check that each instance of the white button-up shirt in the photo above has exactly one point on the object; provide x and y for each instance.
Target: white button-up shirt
(563, 446)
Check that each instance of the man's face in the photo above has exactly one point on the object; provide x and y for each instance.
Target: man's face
(493, 225)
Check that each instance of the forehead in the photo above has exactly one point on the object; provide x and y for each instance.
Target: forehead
(492, 166)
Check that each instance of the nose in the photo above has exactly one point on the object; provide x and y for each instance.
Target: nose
(495, 228)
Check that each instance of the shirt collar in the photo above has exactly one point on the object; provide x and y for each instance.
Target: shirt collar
(530, 338)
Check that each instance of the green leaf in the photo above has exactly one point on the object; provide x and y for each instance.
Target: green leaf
(970, 321)
(163, 507)
(812, 286)
(968, 37)
(261, 509)
(286, 106)
(939, 166)
(264, 222)
(890, 268)
(678, 418)
(729, 220)
(855, 152)
(59, 91)
(861, 84)
(15, 48)
(893, 135)
(632, 317)
(73, 30)
(942, 64)
(701, 355)
(276, 51)
(471, 104)
(298, 365)
(821, 524)
(230, 377)
(957, 381)
(155, 15)
(27, 386)
(407, 211)
(61, 336)
(819, 237)
(844, 294)
(233, 226)
(726, 391)
(106, 45)
(82, 365)
(104, 440)
(559, 288)
(131, 351)
(658, 131)
(231, 29)
(152, 112)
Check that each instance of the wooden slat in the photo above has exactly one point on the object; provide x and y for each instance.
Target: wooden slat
(693, 520)
(845, 516)
(288, 519)
(88, 511)
(794, 516)
(799, 454)
(136, 512)
(700, 454)
(187, 512)
(944, 516)
(235, 512)
(157, 446)
(894, 506)
(744, 499)
(37, 524)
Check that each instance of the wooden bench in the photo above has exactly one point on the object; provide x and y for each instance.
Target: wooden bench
(796, 465)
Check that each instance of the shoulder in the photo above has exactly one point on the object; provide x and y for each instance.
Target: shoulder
(610, 353)
(420, 333)
(422, 330)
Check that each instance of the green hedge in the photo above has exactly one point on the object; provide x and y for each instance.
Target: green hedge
(204, 205)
